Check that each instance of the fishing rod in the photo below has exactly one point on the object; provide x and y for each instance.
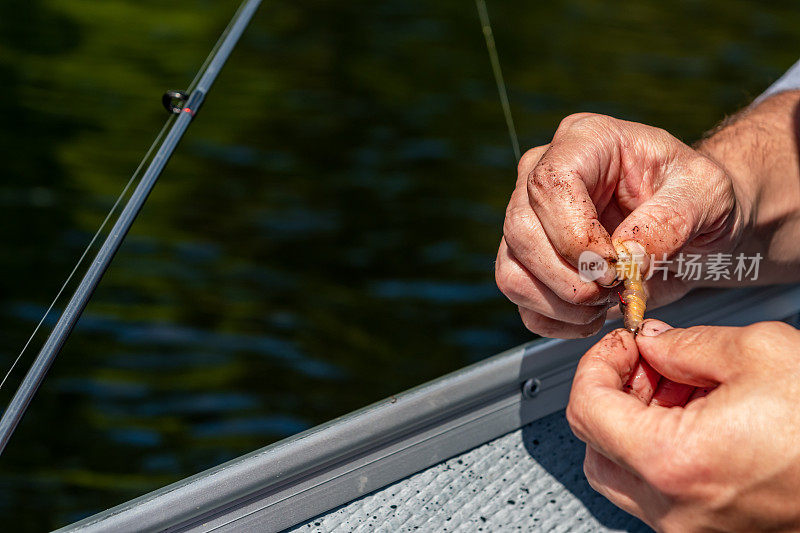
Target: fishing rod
(500, 81)
(184, 105)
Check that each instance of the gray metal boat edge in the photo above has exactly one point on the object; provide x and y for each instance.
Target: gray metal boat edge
(315, 471)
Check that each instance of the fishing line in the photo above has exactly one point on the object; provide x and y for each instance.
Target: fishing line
(171, 134)
(86, 250)
(488, 35)
(113, 209)
(214, 50)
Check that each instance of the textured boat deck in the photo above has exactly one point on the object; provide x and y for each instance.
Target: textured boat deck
(530, 480)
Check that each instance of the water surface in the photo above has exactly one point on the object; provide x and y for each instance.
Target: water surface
(325, 235)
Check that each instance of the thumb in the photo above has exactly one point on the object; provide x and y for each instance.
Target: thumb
(701, 356)
(662, 224)
(679, 211)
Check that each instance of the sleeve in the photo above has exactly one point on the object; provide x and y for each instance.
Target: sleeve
(790, 80)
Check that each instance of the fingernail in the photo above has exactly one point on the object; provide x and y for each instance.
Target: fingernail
(652, 328)
(635, 252)
(609, 277)
(594, 267)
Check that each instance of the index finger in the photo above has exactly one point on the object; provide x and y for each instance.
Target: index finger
(601, 413)
(568, 185)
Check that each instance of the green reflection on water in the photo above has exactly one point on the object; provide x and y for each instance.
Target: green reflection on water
(325, 235)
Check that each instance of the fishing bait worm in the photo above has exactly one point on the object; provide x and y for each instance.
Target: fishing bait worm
(633, 299)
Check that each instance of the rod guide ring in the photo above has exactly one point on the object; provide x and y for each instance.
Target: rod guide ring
(174, 101)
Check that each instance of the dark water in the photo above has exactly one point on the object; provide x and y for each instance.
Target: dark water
(325, 235)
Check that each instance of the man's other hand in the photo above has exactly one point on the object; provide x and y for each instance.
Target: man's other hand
(725, 456)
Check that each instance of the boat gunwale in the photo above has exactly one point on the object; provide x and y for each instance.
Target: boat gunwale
(319, 469)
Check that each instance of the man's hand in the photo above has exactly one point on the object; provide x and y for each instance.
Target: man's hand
(603, 181)
(728, 459)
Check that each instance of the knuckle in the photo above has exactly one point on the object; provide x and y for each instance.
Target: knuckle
(715, 183)
(509, 282)
(754, 341)
(511, 223)
(783, 329)
(574, 417)
(534, 322)
(593, 327)
(518, 216)
(663, 135)
(519, 234)
(502, 276)
(549, 176)
(595, 484)
(579, 332)
(772, 327)
(754, 334)
(530, 158)
(576, 411)
(575, 118)
(588, 315)
(673, 473)
(538, 180)
(711, 171)
(530, 319)
(587, 125)
(541, 325)
(590, 469)
(765, 336)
